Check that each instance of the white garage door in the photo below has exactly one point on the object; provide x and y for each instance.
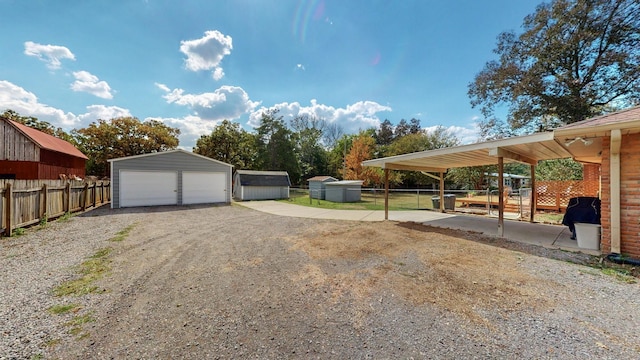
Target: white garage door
(203, 187)
(148, 188)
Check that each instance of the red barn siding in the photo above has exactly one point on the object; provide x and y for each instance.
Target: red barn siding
(26, 170)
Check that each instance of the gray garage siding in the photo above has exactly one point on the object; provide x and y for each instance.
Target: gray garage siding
(174, 160)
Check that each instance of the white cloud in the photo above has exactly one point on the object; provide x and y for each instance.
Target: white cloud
(51, 54)
(218, 74)
(226, 102)
(26, 103)
(207, 52)
(191, 128)
(466, 135)
(358, 116)
(87, 82)
(162, 87)
(97, 112)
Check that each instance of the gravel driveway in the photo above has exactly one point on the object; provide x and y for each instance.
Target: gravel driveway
(230, 282)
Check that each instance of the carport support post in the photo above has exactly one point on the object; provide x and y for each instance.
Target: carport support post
(534, 194)
(500, 196)
(386, 194)
(614, 185)
(441, 191)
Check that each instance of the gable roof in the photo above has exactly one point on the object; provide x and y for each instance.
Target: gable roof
(169, 152)
(322, 178)
(46, 141)
(263, 178)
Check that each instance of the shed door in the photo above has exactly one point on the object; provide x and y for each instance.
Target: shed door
(203, 187)
(148, 188)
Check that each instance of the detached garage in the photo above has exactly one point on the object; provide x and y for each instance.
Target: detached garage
(175, 177)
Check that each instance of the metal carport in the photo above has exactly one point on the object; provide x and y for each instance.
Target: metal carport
(527, 149)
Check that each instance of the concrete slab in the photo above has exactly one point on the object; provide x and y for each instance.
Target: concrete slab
(551, 236)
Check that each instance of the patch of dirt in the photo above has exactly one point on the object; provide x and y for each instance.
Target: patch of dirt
(423, 265)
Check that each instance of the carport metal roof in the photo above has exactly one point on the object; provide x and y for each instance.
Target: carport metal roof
(527, 149)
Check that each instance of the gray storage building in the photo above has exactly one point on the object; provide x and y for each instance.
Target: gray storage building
(261, 185)
(317, 189)
(175, 177)
(344, 191)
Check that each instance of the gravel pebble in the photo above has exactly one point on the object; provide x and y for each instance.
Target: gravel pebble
(228, 282)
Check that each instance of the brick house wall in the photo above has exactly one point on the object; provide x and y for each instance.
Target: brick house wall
(591, 172)
(629, 196)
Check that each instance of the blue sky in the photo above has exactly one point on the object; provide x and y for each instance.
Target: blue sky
(193, 63)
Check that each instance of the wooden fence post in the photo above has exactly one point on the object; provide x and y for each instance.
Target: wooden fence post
(8, 193)
(85, 191)
(67, 191)
(95, 193)
(43, 211)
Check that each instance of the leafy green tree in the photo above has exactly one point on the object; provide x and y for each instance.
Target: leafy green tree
(402, 129)
(421, 141)
(471, 177)
(384, 134)
(559, 169)
(229, 143)
(308, 133)
(337, 154)
(39, 125)
(124, 136)
(275, 146)
(414, 126)
(575, 59)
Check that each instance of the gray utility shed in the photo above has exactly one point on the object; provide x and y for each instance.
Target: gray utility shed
(317, 187)
(261, 185)
(175, 177)
(344, 191)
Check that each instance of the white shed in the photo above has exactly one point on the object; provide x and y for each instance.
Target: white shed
(175, 177)
(261, 185)
(344, 191)
(317, 186)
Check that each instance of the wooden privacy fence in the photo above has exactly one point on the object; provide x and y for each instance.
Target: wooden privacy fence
(44, 200)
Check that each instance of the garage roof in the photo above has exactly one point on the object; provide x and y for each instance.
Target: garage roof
(169, 152)
(525, 149)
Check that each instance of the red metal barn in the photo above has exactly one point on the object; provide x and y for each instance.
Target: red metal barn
(29, 154)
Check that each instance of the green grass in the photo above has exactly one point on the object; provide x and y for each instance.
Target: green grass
(369, 201)
(76, 323)
(122, 234)
(65, 217)
(80, 320)
(62, 309)
(91, 270)
(18, 232)
(406, 200)
(620, 275)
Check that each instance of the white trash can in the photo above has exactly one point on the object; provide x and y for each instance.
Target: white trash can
(588, 236)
